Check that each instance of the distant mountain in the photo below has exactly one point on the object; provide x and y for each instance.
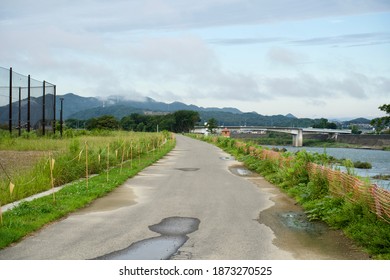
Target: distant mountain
(357, 121)
(291, 116)
(84, 108)
(111, 107)
(73, 103)
(254, 119)
(120, 107)
(118, 111)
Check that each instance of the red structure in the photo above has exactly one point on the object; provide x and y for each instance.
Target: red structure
(225, 132)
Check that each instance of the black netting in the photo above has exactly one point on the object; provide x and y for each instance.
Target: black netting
(33, 102)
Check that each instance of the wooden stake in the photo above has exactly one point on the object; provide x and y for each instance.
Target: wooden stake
(11, 188)
(52, 161)
(108, 159)
(123, 156)
(86, 163)
(131, 155)
(139, 153)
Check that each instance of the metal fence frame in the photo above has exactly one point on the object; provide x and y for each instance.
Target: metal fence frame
(27, 86)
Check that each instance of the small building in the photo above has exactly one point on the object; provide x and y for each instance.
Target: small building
(225, 132)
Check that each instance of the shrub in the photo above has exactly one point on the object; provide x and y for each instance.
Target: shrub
(362, 165)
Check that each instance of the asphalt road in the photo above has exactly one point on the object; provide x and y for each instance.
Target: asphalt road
(192, 184)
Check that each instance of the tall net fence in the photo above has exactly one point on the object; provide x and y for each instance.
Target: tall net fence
(25, 103)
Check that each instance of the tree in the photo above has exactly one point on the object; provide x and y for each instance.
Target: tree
(74, 123)
(324, 123)
(331, 125)
(185, 120)
(321, 123)
(355, 129)
(381, 123)
(103, 122)
(211, 125)
(128, 123)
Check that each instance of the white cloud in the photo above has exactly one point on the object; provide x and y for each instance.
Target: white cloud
(162, 48)
(355, 85)
(286, 57)
(172, 57)
(120, 15)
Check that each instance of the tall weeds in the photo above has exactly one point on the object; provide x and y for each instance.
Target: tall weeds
(70, 159)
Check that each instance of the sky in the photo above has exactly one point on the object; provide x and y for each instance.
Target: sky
(310, 58)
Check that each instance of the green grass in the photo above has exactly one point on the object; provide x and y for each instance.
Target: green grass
(70, 159)
(31, 216)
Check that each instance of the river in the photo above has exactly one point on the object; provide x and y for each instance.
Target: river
(380, 160)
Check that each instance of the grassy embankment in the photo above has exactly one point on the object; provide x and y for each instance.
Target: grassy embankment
(312, 192)
(112, 157)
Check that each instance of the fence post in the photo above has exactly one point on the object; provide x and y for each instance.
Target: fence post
(44, 108)
(20, 112)
(10, 101)
(61, 113)
(54, 109)
(29, 104)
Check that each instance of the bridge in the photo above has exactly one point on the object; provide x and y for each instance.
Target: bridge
(297, 133)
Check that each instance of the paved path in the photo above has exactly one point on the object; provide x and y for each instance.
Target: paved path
(193, 181)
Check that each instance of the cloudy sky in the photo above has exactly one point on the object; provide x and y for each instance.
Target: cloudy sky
(311, 58)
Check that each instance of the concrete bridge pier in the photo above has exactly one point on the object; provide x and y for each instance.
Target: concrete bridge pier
(297, 140)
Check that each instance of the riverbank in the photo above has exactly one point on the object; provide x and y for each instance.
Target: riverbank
(361, 141)
(367, 142)
(378, 159)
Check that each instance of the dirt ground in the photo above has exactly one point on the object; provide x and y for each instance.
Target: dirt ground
(13, 162)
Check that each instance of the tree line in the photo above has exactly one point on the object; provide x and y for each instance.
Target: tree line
(185, 120)
(179, 121)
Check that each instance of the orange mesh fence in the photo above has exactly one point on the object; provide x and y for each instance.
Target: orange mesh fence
(354, 189)
(340, 184)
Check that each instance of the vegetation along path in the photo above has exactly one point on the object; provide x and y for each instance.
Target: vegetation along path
(195, 203)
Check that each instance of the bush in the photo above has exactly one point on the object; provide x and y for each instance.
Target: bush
(362, 165)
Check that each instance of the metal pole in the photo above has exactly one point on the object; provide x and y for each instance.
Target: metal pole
(29, 104)
(43, 108)
(10, 101)
(54, 109)
(20, 112)
(61, 112)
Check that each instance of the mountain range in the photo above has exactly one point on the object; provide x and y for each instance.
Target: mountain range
(83, 108)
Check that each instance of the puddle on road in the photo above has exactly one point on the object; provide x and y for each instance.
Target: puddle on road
(173, 232)
(241, 170)
(120, 197)
(299, 222)
(304, 238)
(227, 158)
(294, 232)
(188, 169)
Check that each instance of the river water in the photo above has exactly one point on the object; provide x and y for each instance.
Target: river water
(380, 160)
